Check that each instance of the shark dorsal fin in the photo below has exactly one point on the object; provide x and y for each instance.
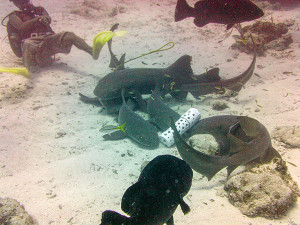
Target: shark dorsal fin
(213, 75)
(250, 126)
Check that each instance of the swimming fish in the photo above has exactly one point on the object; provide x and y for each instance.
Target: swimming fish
(135, 127)
(109, 127)
(229, 12)
(248, 140)
(159, 112)
(153, 199)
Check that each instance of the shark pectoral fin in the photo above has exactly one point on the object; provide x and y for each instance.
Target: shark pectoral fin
(142, 103)
(230, 169)
(117, 135)
(236, 145)
(170, 221)
(184, 207)
(179, 96)
(85, 99)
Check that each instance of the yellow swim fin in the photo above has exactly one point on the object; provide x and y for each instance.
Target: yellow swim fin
(21, 71)
(103, 37)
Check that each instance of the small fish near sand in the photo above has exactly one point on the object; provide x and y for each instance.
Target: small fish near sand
(248, 140)
(229, 12)
(154, 198)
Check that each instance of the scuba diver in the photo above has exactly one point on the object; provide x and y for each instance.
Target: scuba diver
(32, 38)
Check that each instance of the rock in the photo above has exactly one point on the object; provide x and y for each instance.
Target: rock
(13, 213)
(205, 143)
(266, 35)
(219, 106)
(288, 135)
(266, 190)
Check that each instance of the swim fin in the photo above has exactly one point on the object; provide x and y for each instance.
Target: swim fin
(20, 71)
(103, 37)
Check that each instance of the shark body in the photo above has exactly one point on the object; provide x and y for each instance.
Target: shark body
(248, 140)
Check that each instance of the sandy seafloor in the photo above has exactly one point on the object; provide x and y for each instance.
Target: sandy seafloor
(53, 158)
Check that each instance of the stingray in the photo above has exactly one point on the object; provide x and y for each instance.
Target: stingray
(248, 140)
(154, 198)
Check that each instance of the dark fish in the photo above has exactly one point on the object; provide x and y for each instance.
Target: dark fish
(206, 85)
(153, 199)
(248, 140)
(159, 112)
(228, 12)
(135, 127)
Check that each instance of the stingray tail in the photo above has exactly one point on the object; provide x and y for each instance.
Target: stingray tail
(113, 218)
(183, 10)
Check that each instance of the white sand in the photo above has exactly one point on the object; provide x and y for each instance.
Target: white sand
(52, 156)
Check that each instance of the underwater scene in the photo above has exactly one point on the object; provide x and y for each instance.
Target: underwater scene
(150, 112)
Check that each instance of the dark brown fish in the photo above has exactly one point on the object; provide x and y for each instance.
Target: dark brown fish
(228, 12)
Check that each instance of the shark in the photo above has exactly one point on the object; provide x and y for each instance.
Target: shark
(159, 112)
(212, 83)
(154, 198)
(248, 139)
(179, 75)
(135, 127)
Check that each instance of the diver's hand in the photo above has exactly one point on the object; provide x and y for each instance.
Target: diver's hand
(45, 20)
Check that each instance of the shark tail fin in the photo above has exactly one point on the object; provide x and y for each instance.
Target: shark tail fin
(183, 10)
(114, 218)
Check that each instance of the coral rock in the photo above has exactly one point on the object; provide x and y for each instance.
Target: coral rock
(13, 213)
(267, 190)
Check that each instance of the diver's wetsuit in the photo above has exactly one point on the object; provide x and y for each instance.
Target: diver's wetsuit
(35, 41)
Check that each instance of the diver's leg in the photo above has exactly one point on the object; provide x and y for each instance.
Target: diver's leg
(29, 52)
(72, 38)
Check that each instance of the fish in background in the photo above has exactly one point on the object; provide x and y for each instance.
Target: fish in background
(229, 12)
(153, 199)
